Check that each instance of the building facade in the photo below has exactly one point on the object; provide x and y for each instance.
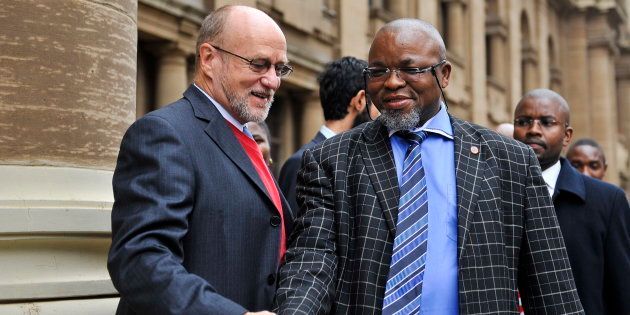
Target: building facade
(75, 74)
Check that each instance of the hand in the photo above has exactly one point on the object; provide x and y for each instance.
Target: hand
(260, 313)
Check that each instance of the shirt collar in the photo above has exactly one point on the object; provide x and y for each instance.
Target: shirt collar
(327, 132)
(226, 115)
(439, 124)
(550, 176)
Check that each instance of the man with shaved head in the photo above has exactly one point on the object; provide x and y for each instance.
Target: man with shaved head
(594, 216)
(198, 223)
(419, 212)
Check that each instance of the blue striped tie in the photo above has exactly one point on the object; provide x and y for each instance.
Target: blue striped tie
(406, 271)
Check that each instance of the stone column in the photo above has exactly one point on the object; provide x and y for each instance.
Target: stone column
(456, 28)
(142, 87)
(172, 76)
(529, 64)
(478, 67)
(353, 27)
(399, 7)
(623, 105)
(68, 73)
(602, 91)
(514, 68)
(428, 10)
(312, 118)
(573, 61)
(286, 132)
(497, 51)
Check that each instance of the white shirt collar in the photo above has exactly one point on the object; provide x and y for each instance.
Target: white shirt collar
(550, 176)
(223, 111)
(327, 132)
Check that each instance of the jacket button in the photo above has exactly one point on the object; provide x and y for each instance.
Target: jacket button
(271, 279)
(275, 220)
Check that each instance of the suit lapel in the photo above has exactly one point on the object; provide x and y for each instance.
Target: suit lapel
(379, 161)
(223, 137)
(468, 173)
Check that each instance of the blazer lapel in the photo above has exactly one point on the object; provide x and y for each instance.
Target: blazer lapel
(468, 173)
(222, 135)
(379, 161)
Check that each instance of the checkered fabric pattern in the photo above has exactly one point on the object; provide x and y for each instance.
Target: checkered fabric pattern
(508, 235)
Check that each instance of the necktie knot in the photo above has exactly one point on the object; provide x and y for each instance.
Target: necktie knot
(415, 137)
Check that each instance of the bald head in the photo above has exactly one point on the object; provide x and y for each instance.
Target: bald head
(407, 100)
(505, 129)
(411, 30)
(238, 23)
(546, 94)
(541, 120)
(242, 55)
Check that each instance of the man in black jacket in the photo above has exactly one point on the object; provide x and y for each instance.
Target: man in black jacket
(594, 216)
(344, 105)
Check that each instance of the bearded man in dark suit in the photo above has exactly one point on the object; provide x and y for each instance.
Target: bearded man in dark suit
(198, 223)
(419, 211)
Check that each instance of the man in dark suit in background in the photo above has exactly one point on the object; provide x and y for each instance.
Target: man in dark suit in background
(198, 223)
(376, 232)
(588, 158)
(594, 216)
(344, 105)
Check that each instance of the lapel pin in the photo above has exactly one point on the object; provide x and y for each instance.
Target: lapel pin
(474, 150)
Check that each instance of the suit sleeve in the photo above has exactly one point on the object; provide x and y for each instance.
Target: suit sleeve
(617, 257)
(545, 278)
(154, 189)
(306, 279)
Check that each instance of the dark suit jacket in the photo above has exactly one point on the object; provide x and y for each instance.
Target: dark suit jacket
(507, 235)
(193, 228)
(595, 219)
(288, 173)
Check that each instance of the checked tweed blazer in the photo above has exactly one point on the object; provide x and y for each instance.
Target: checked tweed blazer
(507, 235)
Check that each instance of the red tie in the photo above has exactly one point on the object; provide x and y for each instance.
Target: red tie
(252, 150)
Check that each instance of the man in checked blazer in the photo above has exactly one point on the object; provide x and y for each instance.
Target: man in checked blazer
(491, 226)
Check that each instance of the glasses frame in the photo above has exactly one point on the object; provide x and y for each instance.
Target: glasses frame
(531, 121)
(408, 71)
(282, 70)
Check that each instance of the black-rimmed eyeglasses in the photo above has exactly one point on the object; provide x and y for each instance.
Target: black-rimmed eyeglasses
(545, 122)
(261, 65)
(378, 74)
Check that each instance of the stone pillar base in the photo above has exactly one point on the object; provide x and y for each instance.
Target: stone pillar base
(54, 234)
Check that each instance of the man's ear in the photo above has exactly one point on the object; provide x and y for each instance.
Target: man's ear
(206, 54)
(445, 72)
(568, 134)
(358, 101)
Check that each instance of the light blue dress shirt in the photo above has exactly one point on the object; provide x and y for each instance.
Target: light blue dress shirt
(439, 289)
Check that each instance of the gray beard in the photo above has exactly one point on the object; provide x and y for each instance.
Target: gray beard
(240, 107)
(244, 112)
(398, 120)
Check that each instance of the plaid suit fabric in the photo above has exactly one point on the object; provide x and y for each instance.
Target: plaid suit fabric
(508, 235)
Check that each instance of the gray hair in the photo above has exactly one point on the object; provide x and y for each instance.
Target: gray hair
(212, 28)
